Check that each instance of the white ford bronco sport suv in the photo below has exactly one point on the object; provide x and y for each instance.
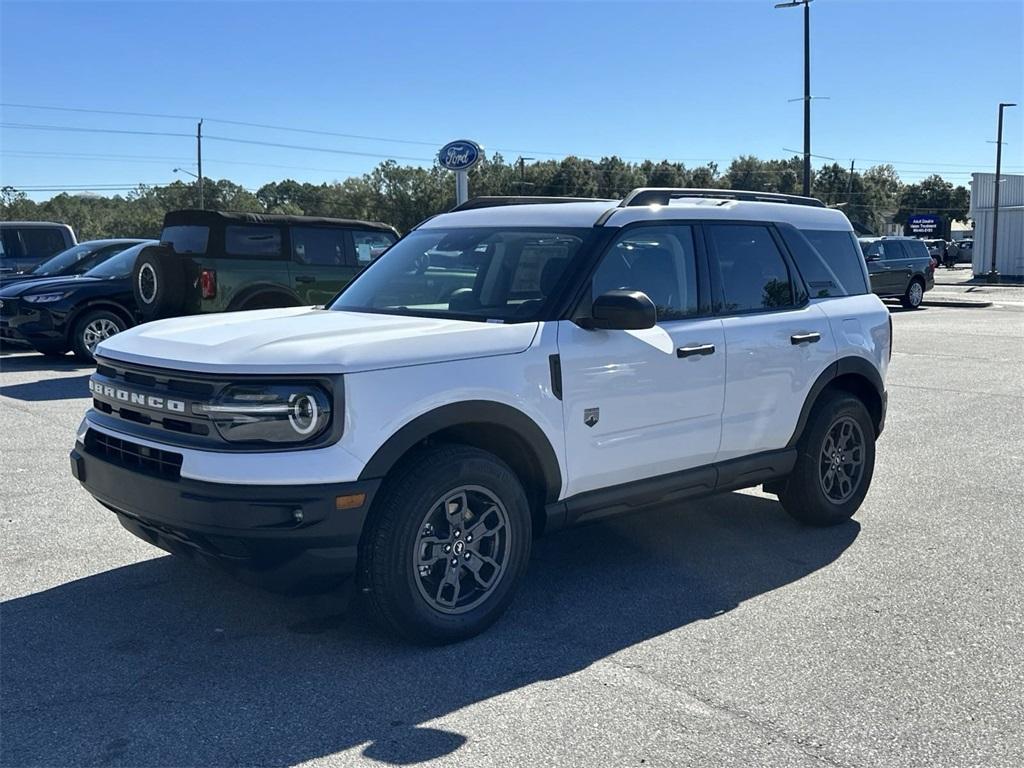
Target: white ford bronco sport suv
(505, 369)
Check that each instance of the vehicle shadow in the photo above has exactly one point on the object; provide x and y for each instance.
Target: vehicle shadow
(64, 388)
(20, 360)
(166, 663)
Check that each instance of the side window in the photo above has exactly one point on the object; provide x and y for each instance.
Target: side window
(371, 244)
(892, 249)
(660, 261)
(319, 246)
(752, 270)
(41, 243)
(916, 249)
(252, 240)
(842, 256)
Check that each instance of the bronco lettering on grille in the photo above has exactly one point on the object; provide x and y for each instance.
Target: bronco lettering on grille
(136, 398)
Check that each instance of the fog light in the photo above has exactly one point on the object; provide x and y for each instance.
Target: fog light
(351, 501)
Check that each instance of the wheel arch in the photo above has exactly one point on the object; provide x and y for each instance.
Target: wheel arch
(261, 291)
(849, 374)
(491, 426)
(108, 304)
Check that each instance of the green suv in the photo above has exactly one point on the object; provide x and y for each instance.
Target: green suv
(215, 261)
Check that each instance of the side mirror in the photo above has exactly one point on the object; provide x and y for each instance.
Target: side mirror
(870, 258)
(622, 310)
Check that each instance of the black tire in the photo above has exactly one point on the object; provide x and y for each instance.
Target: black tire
(401, 535)
(158, 283)
(804, 495)
(91, 328)
(914, 295)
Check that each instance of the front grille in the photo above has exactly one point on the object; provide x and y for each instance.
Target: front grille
(124, 453)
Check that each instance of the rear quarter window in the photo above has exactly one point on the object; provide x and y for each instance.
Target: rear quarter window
(842, 254)
(252, 240)
(186, 239)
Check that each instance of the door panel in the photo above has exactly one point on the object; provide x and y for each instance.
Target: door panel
(770, 376)
(322, 262)
(656, 413)
(897, 265)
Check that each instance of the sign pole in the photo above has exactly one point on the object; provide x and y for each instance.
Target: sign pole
(461, 187)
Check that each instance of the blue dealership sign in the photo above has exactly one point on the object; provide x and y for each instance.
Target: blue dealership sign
(459, 155)
(925, 224)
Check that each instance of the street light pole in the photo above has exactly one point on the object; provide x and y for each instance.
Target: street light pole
(522, 174)
(199, 160)
(807, 88)
(993, 273)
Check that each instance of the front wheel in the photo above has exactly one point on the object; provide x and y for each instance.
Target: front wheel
(914, 295)
(446, 545)
(835, 462)
(92, 328)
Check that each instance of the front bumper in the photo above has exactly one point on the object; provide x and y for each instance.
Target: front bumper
(28, 325)
(284, 537)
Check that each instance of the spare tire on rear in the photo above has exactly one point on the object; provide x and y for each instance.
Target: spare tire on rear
(158, 282)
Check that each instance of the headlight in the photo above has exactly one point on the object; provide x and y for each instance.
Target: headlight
(278, 413)
(44, 298)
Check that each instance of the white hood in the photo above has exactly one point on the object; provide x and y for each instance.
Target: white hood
(305, 340)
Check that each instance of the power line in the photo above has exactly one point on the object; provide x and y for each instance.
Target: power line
(99, 111)
(74, 129)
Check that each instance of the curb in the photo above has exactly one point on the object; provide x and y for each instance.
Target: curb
(969, 304)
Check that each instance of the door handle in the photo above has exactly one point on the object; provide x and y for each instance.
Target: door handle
(305, 279)
(805, 338)
(700, 349)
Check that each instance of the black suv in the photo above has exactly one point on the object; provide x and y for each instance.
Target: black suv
(899, 267)
(215, 261)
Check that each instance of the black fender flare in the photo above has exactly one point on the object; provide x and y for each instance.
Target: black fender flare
(471, 412)
(251, 292)
(845, 366)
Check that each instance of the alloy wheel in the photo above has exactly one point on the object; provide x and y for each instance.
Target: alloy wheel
(96, 331)
(462, 549)
(916, 294)
(841, 462)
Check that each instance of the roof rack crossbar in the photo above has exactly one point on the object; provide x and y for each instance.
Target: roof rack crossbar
(494, 201)
(663, 195)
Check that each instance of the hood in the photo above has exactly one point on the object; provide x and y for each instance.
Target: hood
(305, 340)
(40, 284)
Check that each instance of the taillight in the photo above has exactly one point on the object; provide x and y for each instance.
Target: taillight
(208, 283)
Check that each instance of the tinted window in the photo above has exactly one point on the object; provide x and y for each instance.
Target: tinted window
(39, 243)
(186, 239)
(119, 265)
(254, 240)
(369, 244)
(659, 261)
(892, 249)
(842, 257)
(318, 245)
(752, 270)
(77, 260)
(916, 249)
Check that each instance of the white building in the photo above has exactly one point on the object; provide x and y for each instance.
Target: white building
(1010, 255)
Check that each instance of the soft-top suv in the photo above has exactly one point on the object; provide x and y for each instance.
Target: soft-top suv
(501, 372)
(215, 261)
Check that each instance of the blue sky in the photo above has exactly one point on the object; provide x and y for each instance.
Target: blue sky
(912, 82)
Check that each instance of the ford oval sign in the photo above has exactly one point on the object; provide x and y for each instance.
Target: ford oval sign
(459, 155)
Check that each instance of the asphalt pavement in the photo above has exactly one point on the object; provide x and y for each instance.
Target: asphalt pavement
(714, 633)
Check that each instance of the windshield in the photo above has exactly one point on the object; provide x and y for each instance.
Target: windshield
(472, 274)
(75, 261)
(118, 266)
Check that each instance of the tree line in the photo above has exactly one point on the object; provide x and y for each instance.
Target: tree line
(404, 195)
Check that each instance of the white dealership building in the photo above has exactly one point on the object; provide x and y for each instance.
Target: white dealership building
(1010, 255)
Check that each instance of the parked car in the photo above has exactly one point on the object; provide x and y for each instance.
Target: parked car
(937, 250)
(964, 252)
(210, 261)
(553, 364)
(57, 314)
(76, 260)
(24, 245)
(899, 267)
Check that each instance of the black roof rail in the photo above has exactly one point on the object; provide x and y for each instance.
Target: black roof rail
(493, 201)
(663, 195)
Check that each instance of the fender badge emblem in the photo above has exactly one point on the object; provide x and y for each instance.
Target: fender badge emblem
(591, 416)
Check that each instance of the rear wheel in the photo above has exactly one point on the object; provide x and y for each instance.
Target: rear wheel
(92, 328)
(446, 545)
(914, 295)
(835, 462)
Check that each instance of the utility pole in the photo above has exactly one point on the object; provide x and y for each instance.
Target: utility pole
(849, 184)
(993, 273)
(807, 88)
(199, 160)
(522, 174)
